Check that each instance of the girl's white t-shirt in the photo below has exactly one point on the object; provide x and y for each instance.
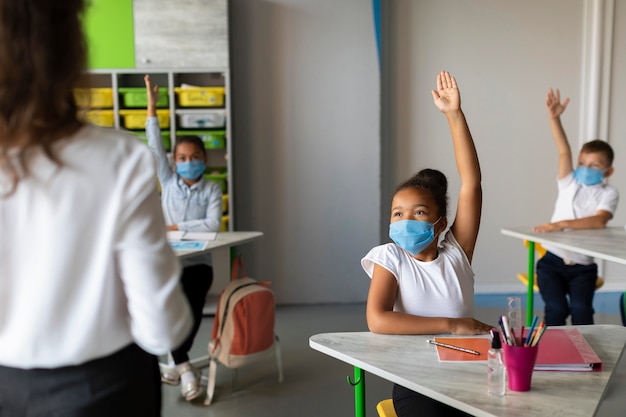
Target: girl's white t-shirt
(443, 287)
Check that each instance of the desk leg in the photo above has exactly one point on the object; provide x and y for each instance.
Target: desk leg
(221, 269)
(221, 278)
(359, 391)
(531, 284)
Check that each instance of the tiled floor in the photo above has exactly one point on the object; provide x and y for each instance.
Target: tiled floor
(314, 385)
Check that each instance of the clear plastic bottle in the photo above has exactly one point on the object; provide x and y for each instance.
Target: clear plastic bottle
(496, 371)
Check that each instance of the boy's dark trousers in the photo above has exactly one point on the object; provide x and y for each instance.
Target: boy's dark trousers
(557, 281)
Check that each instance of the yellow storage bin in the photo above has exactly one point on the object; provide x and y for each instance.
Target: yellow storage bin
(136, 119)
(99, 117)
(200, 96)
(94, 97)
(225, 203)
(224, 227)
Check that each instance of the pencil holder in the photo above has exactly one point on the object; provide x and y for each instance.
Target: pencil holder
(520, 362)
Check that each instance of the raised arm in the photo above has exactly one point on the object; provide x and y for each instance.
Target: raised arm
(153, 133)
(467, 220)
(555, 109)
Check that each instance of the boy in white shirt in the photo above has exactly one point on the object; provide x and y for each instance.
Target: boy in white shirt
(585, 201)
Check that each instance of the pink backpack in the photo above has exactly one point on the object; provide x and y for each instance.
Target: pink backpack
(243, 328)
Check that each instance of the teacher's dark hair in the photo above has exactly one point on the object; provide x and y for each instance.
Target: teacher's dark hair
(42, 56)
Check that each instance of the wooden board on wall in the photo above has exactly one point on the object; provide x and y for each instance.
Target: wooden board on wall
(171, 34)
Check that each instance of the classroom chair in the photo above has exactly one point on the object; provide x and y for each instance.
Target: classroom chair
(385, 408)
(540, 251)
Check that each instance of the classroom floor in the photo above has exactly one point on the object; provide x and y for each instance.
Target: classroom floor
(314, 384)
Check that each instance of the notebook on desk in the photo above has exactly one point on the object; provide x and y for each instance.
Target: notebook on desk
(560, 349)
(566, 350)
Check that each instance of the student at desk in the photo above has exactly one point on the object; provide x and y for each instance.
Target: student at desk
(584, 201)
(193, 204)
(420, 286)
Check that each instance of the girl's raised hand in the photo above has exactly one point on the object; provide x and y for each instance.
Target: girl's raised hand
(152, 91)
(447, 97)
(554, 105)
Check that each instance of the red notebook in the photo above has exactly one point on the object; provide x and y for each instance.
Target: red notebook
(559, 350)
(566, 350)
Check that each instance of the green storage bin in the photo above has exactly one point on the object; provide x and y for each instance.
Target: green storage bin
(217, 175)
(136, 97)
(213, 139)
(165, 136)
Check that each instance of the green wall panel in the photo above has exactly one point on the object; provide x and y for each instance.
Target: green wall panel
(109, 31)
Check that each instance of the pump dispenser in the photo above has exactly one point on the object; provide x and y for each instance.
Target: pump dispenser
(496, 371)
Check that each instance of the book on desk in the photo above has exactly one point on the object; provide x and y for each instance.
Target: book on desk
(560, 349)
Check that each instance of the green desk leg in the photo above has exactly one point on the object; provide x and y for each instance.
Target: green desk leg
(359, 391)
(531, 283)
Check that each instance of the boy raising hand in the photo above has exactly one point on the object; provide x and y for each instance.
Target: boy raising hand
(585, 201)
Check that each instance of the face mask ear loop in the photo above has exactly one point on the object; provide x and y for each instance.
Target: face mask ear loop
(437, 221)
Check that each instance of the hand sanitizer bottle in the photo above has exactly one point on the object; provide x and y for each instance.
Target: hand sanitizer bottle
(496, 371)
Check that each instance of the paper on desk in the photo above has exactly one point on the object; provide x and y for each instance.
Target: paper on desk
(194, 245)
(208, 236)
(177, 235)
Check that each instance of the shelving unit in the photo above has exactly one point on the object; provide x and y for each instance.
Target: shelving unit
(201, 112)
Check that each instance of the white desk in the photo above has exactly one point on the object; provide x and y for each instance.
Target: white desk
(220, 250)
(608, 244)
(412, 363)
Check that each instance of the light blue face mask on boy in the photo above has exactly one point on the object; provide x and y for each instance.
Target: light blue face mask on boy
(190, 170)
(588, 176)
(412, 235)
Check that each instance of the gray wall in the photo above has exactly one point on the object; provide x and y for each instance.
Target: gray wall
(313, 171)
(306, 116)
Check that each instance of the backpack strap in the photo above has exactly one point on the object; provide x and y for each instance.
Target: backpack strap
(236, 268)
(210, 388)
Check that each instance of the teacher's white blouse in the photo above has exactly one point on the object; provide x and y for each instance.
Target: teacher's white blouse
(85, 268)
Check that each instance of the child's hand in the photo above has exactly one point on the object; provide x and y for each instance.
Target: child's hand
(447, 97)
(153, 93)
(548, 227)
(469, 325)
(554, 105)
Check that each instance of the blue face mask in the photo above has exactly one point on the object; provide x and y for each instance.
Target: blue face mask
(412, 235)
(190, 170)
(588, 176)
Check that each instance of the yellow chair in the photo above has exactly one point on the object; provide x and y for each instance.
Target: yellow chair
(385, 408)
(540, 250)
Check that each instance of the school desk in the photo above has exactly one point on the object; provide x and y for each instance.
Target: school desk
(413, 363)
(608, 244)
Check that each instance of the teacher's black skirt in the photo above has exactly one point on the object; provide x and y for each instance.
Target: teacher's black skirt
(125, 383)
